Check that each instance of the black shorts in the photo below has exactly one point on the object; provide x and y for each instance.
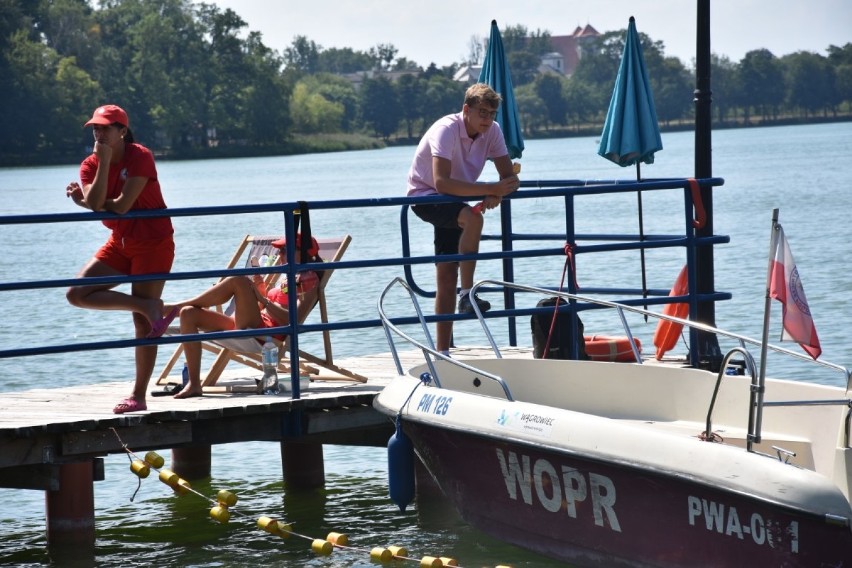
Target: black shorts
(444, 217)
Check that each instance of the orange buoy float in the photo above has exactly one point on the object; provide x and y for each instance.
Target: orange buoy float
(667, 332)
(611, 348)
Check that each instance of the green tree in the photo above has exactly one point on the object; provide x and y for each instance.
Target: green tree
(598, 69)
(343, 60)
(380, 107)
(841, 59)
(672, 86)
(442, 96)
(409, 90)
(68, 27)
(580, 102)
(550, 90)
(726, 94)
(267, 118)
(523, 66)
(303, 54)
(311, 111)
(762, 81)
(812, 82)
(165, 75)
(383, 55)
(532, 110)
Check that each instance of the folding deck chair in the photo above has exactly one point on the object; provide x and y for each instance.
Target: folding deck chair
(246, 350)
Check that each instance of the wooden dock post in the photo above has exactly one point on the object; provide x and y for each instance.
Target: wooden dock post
(192, 463)
(70, 510)
(302, 465)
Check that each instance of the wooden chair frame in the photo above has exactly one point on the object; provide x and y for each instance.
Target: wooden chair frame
(246, 350)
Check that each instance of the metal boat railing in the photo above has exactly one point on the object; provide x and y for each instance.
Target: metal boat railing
(564, 191)
(576, 303)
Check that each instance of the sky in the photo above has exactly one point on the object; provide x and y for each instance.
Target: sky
(440, 31)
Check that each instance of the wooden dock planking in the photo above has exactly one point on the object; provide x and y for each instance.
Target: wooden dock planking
(46, 426)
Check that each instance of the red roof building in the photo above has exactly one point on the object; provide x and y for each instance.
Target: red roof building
(567, 50)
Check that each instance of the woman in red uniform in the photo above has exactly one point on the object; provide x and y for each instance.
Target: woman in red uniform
(120, 176)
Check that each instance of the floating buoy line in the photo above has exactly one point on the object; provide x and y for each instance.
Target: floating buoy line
(221, 511)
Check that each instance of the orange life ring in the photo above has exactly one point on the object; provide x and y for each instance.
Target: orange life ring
(609, 348)
(668, 332)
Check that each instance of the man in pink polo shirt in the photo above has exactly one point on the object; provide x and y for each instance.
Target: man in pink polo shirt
(448, 161)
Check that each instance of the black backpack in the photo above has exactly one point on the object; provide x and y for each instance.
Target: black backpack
(563, 334)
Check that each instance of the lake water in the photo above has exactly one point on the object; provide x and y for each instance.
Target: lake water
(802, 170)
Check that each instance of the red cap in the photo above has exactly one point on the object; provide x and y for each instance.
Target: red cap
(313, 250)
(107, 115)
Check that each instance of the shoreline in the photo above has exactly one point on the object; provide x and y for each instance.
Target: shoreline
(317, 144)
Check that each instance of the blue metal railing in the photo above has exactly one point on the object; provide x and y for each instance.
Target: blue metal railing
(565, 190)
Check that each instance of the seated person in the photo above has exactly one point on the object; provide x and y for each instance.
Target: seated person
(255, 307)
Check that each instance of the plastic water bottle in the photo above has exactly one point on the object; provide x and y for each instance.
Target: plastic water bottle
(185, 375)
(269, 354)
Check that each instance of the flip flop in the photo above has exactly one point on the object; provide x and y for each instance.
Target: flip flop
(170, 389)
(159, 327)
(129, 405)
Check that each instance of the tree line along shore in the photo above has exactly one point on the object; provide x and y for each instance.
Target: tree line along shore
(198, 84)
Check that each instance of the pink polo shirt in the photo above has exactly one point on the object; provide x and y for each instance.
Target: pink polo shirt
(448, 138)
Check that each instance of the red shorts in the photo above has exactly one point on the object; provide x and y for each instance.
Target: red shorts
(135, 256)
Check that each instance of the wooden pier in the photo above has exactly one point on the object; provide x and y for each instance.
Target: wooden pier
(55, 439)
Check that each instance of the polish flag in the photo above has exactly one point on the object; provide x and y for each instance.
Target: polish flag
(786, 287)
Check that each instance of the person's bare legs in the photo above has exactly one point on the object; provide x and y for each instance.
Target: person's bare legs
(146, 355)
(471, 224)
(143, 302)
(103, 297)
(445, 301)
(246, 310)
(195, 318)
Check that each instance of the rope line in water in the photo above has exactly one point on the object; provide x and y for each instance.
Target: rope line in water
(221, 512)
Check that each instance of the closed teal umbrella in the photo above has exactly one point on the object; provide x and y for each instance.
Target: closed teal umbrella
(495, 72)
(631, 133)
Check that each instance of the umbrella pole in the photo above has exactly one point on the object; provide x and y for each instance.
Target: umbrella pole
(641, 239)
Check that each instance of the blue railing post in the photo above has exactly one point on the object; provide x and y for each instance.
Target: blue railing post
(507, 242)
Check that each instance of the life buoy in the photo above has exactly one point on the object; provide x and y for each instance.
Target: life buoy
(668, 332)
(609, 348)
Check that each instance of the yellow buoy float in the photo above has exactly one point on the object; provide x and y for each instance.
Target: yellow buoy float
(398, 551)
(449, 561)
(322, 547)
(226, 498)
(182, 487)
(379, 554)
(220, 513)
(140, 468)
(268, 524)
(155, 460)
(430, 562)
(337, 538)
(169, 477)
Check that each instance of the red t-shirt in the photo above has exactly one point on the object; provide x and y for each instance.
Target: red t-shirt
(137, 162)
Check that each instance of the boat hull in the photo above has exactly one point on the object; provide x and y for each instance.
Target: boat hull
(596, 513)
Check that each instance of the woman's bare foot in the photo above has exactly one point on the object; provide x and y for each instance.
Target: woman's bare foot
(189, 391)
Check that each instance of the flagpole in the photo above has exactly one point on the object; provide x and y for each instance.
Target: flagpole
(761, 378)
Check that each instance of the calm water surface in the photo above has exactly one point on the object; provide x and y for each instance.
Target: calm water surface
(802, 170)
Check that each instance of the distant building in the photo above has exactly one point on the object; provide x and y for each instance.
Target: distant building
(563, 60)
(468, 74)
(568, 50)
